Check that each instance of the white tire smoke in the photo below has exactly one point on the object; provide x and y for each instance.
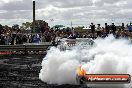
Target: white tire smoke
(108, 56)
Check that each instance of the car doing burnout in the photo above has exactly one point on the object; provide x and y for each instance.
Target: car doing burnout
(69, 44)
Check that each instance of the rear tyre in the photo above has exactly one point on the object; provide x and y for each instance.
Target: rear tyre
(82, 80)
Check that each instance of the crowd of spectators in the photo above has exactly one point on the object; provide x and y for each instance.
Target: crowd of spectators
(22, 38)
(102, 32)
(49, 35)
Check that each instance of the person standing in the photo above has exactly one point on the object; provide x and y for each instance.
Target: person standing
(113, 27)
(123, 27)
(13, 37)
(92, 26)
(98, 31)
(107, 28)
(36, 38)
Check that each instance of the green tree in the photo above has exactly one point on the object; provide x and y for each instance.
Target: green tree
(38, 25)
(79, 28)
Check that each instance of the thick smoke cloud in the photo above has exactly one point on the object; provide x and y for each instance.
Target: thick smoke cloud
(108, 56)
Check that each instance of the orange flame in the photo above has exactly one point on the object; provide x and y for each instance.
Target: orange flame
(81, 71)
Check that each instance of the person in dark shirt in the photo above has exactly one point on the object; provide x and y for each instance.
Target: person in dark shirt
(98, 31)
(113, 27)
(107, 28)
(2, 39)
(122, 27)
(18, 39)
(24, 39)
(92, 26)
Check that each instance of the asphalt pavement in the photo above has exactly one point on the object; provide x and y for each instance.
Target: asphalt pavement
(23, 72)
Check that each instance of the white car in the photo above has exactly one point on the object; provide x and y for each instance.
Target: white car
(68, 44)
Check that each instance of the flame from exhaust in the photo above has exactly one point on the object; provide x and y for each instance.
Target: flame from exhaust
(81, 71)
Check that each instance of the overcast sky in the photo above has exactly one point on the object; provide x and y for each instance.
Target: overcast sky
(65, 11)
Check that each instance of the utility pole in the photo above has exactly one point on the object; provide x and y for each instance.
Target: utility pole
(33, 16)
(71, 25)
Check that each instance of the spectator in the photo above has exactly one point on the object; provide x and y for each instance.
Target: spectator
(107, 28)
(7, 39)
(92, 26)
(19, 39)
(98, 31)
(113, 27)
(2, 39)
(13, 37)
(43, 38)
(36, 38)
(24, 39)
(104, 34)
(122, 27)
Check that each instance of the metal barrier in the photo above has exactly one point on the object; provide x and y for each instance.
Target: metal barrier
(27, 48)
